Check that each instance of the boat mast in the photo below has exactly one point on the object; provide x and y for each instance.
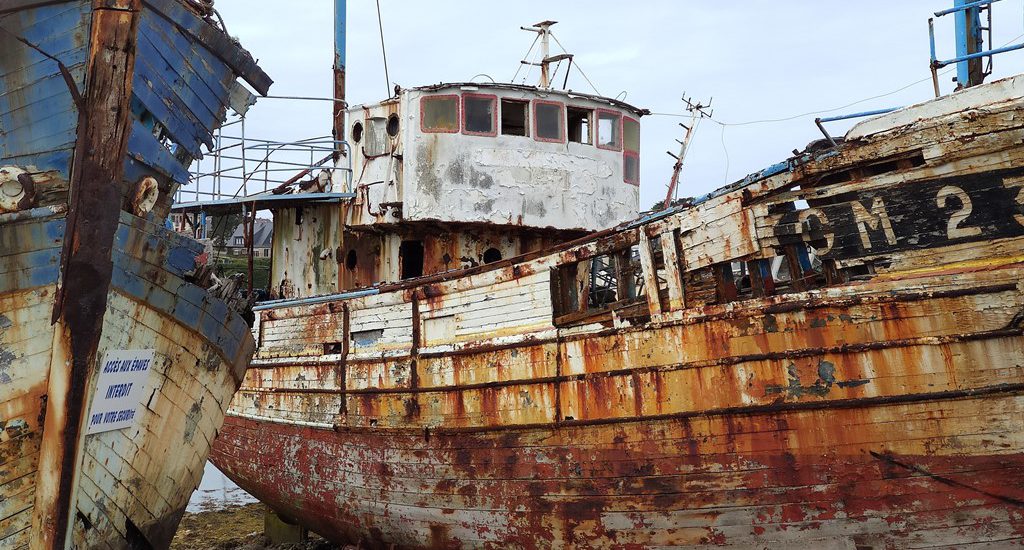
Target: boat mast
(697, 112)
(339, 82)
(544, 30)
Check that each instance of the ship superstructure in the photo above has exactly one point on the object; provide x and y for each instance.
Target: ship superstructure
(458, 175)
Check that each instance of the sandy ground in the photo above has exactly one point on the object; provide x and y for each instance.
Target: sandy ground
(233, 528)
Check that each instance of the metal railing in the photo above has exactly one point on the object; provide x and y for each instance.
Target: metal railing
(240, 166)
(832, 141)
(964, 28)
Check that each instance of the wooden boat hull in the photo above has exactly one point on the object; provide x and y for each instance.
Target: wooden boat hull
(772, 479)
(828, 353)
(103, 106)
(882, 434)
(133, 482)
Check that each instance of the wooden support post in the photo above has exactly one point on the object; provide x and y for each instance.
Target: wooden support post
(675, 265)
(281, 531)
(650, 277)
(249, 229)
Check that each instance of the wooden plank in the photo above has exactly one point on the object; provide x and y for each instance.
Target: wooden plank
(674, 265)
(650, 277)
(99, 162)
(196, 67)
(216, 42)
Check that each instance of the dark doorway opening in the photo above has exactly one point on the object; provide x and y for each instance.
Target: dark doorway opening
(410, 254)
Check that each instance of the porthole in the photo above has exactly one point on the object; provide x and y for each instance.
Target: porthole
(357, 132)
(492, 255)
(393, 125)
(351, 260)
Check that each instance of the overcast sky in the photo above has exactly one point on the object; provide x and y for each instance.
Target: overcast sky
(758, 59)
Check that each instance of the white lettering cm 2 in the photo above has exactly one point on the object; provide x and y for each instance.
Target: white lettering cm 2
(876, 217)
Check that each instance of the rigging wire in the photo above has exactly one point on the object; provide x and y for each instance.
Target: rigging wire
(531, 65)
(577, 65)
(525, 57)
(830, 110)
(723, 124)
(809, 113)
(726, 150)
(383, 51)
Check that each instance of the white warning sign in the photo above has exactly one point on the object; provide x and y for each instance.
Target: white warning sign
(120, 389)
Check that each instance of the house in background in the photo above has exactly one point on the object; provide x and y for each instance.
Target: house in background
(262, 234)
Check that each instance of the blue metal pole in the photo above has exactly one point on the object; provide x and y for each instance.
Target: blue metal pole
(339, 34)
(968, 41)
(960, 26)
(931, 38)
(339, 74)
(859, 115)
(980, 54)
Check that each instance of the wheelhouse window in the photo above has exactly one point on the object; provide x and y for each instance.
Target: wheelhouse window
(609, 130)
(549, 123)
(479, 114)
(439, 113)
(579, 123)
(515, 117)
(631, 151)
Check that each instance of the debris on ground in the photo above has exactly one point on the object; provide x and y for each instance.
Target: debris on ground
(235, 528)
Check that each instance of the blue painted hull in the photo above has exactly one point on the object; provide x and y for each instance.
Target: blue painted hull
(130, 485)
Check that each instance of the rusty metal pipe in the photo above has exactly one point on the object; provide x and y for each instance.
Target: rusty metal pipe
(339, 75)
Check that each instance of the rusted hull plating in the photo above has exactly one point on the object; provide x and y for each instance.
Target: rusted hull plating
(885, 436)
(828, 354)
(865, 477)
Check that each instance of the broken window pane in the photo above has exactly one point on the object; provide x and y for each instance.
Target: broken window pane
(609, 130)
(549, 121)
(579, 125)
(631, 274)
(591, 287)
(440, 113)
(363, 338)
(514, 117)
(478, 114)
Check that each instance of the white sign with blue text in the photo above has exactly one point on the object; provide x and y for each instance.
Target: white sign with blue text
(120, 389)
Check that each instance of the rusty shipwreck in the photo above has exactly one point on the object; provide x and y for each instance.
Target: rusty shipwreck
(828, 353)
(116, 360)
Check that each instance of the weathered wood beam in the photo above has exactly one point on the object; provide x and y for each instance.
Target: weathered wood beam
(103, 128)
